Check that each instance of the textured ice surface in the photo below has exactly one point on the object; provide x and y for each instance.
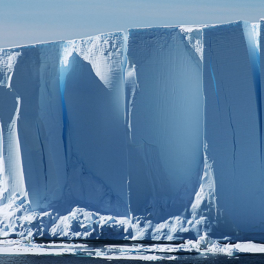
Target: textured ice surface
(261, 45)
(92, 81)
(164, 116)
(233, 123)
(31, 118)
(164, 124)
(62, 137)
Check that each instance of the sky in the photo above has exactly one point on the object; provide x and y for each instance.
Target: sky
(25, 22)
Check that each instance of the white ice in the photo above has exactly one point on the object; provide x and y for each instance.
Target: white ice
(204, 245)
(152, 135)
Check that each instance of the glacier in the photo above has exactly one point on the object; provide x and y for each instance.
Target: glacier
(155, 134)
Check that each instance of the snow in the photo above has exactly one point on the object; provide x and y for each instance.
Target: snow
(154, 135)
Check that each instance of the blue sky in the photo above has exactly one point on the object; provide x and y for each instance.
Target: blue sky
(31, 21)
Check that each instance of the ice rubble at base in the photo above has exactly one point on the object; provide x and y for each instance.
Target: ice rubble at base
(156, 252)
(152, 136)
(17, 219)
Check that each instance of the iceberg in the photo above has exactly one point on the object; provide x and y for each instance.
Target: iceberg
(151, 135)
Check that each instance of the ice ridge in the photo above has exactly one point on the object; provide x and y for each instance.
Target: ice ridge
(152, 135)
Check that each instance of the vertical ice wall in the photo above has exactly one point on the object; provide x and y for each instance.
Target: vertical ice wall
(12, 177)
(164, 119)
(62, 117)
(2, 165)
(92, 85)
(261, 49)
(31, 119)
(233, 123)
(50, 122)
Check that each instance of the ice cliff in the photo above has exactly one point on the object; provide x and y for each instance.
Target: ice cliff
(152, 135)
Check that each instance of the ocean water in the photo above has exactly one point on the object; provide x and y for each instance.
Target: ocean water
(15, 259)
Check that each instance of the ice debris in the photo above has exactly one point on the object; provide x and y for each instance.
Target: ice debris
(135, 251)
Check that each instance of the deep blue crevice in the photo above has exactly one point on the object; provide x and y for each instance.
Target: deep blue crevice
(63, 74)
(43, 156)
(213, 77)
(234, 138)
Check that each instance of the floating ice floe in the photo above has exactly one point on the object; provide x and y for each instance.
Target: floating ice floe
(152, 252)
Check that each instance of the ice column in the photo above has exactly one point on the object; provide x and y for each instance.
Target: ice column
(233, 123)
(164, 117)
(12, 176)
(93, 96)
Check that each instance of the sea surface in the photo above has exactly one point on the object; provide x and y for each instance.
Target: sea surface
(81, 260)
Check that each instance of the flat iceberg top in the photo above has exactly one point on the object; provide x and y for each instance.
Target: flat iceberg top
(102, 35)
(187, 28)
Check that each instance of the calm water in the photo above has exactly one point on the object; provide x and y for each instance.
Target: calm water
(81, 260)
